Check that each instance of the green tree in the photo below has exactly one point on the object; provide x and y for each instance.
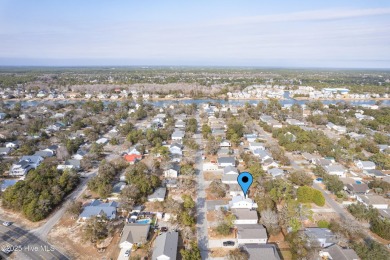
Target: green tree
(188, 202)
(192, 253)
(206, 131)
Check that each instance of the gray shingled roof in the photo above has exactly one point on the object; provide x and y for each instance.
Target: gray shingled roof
(338, 253)
(245, 214)
(251, 231)
(166, 245)
(321, 233)
(229, 168)
(97, 207)
(135, 233)
(263, 252)
(226, 160)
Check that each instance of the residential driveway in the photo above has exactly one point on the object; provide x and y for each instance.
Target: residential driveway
(218, 243)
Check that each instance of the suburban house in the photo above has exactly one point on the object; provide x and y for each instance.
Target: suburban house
(295, 122)
(374, 173)
(180, 124)
(251, 137)
(79, 155)
(263, 155)
(176, 148)
(224, 151)
(336, 169)
(225, 143)
(177, 135)
(165, 246)
(323, 162)
(245, 216)
(339, 129)
(230, 170)
(25, 164)
(235, 190)
(240, 202)
(229, 178)
(251, 234)
(269, 163)
(134, 234)
(310, 157)
(256, 146)
(226, 161)
(99, 208)
(132, 158)
(262, 251)
(335, 252)
(172, 172)
(44, 153)
(275, 172)
(376, 201)
(158, 195)
(323, 236)
(365, 165)
(357, 189)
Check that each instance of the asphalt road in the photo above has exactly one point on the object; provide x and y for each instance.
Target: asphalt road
(201, 219)
(33, 244)
(26, 245)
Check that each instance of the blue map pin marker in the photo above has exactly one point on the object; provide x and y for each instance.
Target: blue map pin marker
(245, 180)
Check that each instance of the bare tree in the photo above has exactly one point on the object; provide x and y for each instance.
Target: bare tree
(62, 153)
(270, 220)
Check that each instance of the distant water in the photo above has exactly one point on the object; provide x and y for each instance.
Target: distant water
(287, 100)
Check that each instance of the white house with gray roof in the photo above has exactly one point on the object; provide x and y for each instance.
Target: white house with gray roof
(262, 251)
(251, 234)
(25, 164)
(158, 195)
(336, 169)
(98, 208)
(165, 246)
(321, 236)
(245, 216)
(226, 161)
(365, 165)
(335, 252)
(134, 234)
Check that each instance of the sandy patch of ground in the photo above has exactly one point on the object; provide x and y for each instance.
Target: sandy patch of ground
(212, 216)
(211, 196)
(211, 176)
(219, 252)
(215, 235)
(67, 234)
(19, 219)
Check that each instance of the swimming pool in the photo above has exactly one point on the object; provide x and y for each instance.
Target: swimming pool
(144, 221)
(358, 182)
(319, 179)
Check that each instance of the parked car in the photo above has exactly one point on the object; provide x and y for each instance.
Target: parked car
(228, 243)
(7, 224)
(127, 253)
(163, 229)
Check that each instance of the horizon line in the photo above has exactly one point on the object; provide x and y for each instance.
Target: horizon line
(194, 66)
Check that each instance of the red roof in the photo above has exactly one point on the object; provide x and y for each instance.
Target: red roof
(132, 157)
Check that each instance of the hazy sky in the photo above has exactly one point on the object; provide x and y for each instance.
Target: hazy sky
(332, 33)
